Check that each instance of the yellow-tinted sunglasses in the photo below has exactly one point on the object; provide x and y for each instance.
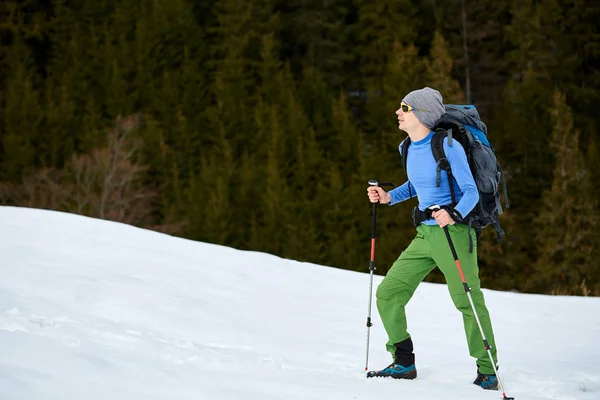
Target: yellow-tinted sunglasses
(406, 108)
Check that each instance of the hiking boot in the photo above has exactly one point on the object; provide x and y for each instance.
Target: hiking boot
(486, 381)
(395, 371)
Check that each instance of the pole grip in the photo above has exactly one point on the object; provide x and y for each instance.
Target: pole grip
(373, 182)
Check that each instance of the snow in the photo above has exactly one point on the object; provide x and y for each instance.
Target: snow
(91, 309)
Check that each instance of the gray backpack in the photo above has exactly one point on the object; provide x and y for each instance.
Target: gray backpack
(462, 123)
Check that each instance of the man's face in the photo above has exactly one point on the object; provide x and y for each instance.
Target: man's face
(407, 121)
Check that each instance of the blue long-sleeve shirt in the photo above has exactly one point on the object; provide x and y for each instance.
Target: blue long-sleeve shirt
(421, 168)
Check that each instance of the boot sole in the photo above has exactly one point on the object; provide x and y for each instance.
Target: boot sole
(410, 375)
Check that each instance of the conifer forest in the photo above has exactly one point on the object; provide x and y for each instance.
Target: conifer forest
(257, 124)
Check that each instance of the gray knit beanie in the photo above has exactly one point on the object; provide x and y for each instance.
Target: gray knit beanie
(426, 99)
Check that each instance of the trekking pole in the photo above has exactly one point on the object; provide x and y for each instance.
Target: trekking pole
(371, 270)
(468, 292)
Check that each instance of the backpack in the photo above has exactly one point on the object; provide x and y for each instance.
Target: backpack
(463, 124)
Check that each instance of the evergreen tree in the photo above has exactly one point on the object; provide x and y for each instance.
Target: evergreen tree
(438, 71)
(384, 28)
(209, 195)
(521, 141)
(306, 239)
(561, 42)
(567, 221)
(21, 103)
(476, 44)
(22, 115)
(321, 35)
(405, 72)
(342, 188)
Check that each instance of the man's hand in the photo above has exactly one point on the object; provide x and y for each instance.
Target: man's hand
(442, 218)
(377, 194)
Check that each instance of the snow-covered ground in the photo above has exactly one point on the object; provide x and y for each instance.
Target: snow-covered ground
(91, 309)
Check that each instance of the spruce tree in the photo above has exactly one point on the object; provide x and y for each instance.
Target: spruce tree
(476, 44)
(566, 225)
(384, 28)
(22, 115)
(438, 71)
(321, 35)
(21, 103)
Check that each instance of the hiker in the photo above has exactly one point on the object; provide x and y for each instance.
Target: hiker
(417, 115)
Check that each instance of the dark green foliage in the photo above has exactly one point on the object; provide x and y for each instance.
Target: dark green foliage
(257, 124)
(566, 224)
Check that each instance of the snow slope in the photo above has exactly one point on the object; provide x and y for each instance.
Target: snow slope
(92, 309)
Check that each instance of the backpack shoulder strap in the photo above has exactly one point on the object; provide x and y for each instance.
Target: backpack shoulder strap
(437, 148)
(437, 144)
(404, 151)
(404, 154)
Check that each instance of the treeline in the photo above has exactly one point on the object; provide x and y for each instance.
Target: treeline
(257, 124)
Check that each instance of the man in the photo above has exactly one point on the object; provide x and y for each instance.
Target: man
(417, 114)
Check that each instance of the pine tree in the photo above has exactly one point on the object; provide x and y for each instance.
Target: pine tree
(520, 138)
(21, 103)
(341, 187)
(566, 235)
(236, 46)
(22, 115)
(476, 44)
(523, 113)
(559, 40)
(405, 72)
(438, 67)
(385, 27)
(321, 35)
(208, 198)
(172, 78)
(307, 171)
(276, 200)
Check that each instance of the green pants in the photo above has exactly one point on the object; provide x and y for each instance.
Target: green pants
(427, 250)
